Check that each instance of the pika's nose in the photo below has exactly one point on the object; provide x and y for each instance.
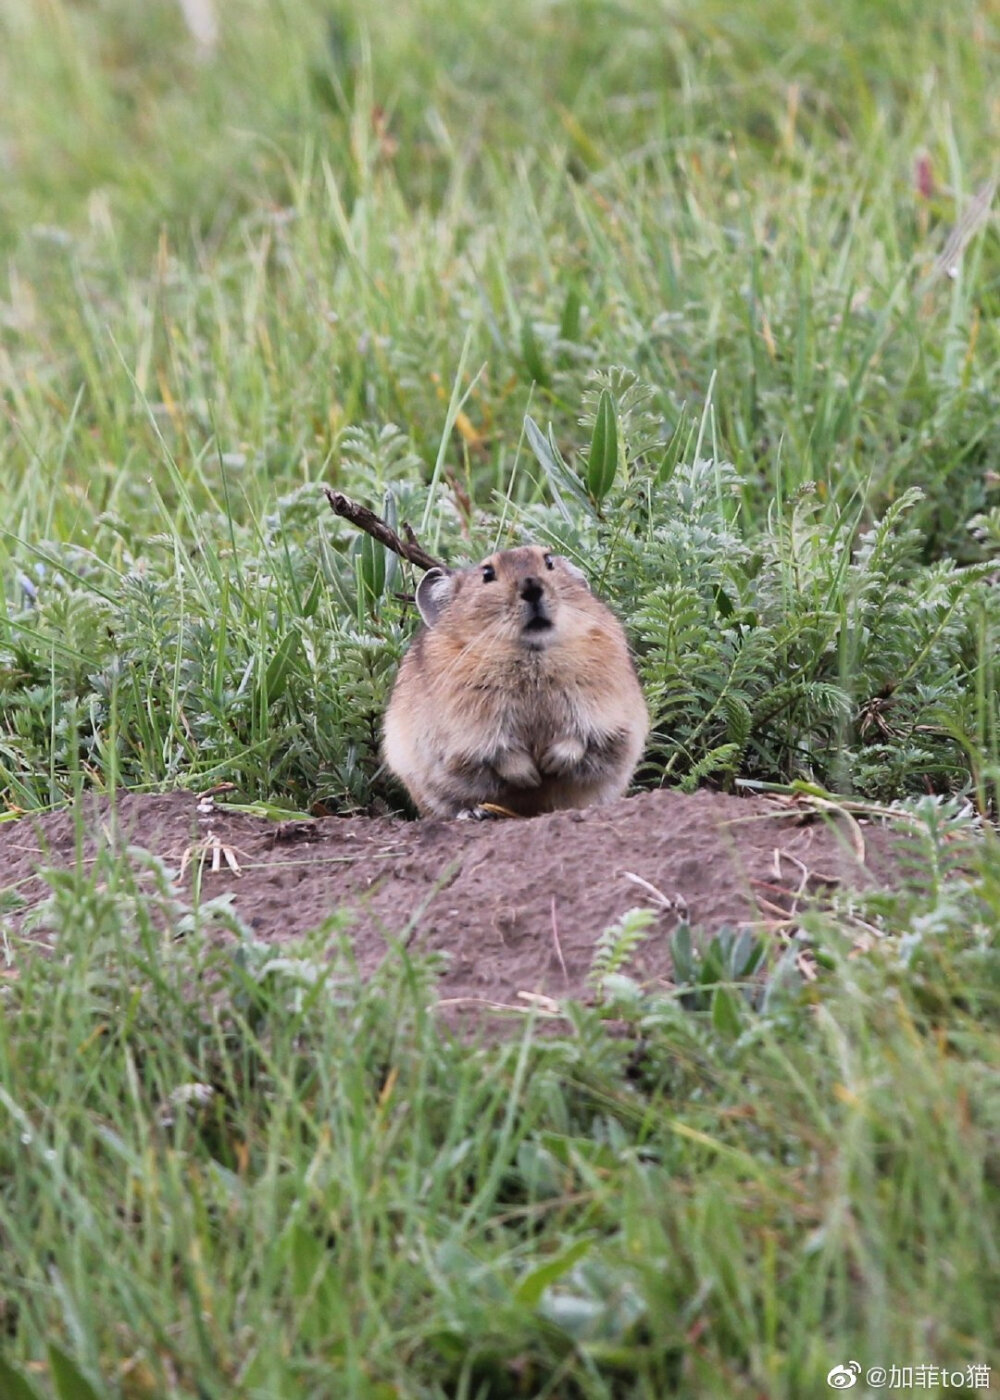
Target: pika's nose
(531, 589)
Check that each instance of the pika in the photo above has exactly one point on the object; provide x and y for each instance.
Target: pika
(518, 691)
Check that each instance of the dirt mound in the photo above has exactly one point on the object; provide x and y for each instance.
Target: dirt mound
(516, 905)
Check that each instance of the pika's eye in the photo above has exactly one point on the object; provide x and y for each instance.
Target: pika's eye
(489, 573)
(550, 563)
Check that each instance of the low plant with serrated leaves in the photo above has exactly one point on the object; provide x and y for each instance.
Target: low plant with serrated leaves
(814, 645)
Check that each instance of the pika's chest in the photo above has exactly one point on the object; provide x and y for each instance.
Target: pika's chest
(529, 696)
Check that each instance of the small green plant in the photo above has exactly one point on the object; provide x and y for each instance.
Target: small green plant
(615, 947)
(729, 957)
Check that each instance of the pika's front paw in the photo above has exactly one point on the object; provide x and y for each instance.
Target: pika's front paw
(563, 757)
(517, 767)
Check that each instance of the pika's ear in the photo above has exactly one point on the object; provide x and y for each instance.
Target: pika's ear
(578, 574)
(433, 592)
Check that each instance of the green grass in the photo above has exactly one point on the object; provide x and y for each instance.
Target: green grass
(770, 1185)
(364, 245)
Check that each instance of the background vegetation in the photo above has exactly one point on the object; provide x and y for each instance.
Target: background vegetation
(411, 250)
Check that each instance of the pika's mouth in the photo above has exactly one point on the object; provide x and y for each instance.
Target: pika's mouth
(537, 625)
(537, 620)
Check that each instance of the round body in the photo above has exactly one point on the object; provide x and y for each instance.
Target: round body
(518, 692)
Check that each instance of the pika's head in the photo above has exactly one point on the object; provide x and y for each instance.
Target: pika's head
(528, 597)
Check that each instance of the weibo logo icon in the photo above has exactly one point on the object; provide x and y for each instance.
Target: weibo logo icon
(843, 1377)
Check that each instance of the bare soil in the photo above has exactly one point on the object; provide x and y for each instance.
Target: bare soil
(516, 905)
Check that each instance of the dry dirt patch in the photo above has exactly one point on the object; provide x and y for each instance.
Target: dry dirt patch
(516, 905)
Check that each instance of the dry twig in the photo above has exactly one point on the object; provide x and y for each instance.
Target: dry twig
(364, 519)
(675, 904)
(210, 846)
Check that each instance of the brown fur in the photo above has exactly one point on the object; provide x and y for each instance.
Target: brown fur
(519, 692)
